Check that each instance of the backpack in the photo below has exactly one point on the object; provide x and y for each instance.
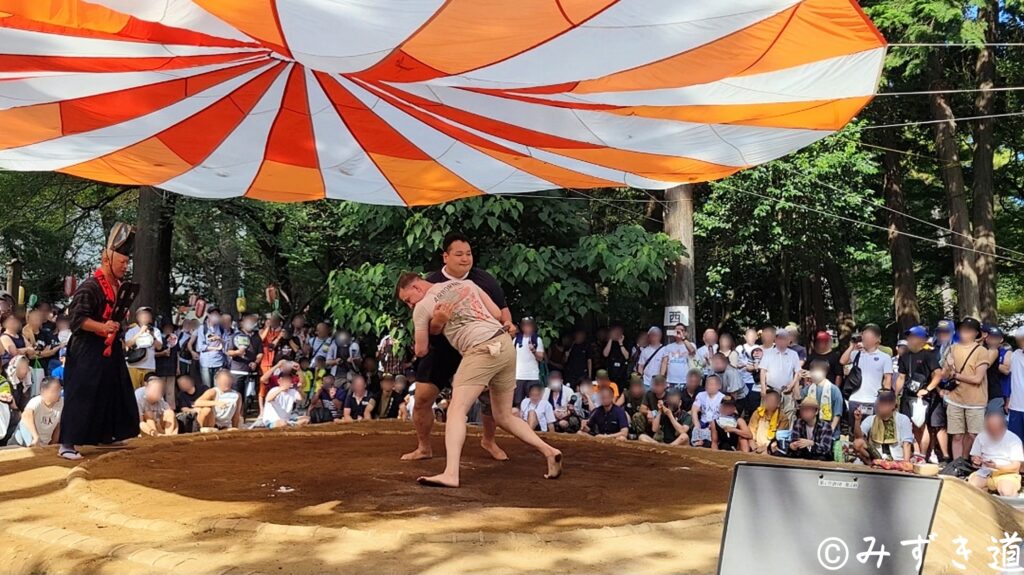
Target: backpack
(519, 339)
(854, 379)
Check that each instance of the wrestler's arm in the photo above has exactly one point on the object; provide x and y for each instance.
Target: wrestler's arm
(206, 399)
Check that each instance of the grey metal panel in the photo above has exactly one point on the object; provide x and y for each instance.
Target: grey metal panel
(791, 520)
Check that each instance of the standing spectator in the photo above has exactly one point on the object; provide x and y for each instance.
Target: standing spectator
(62, 335)
(675, 358)
(998, 456)
(322, 344)
(1016, 399)
(299, 328)
(794, 341)
(596, 355)
(616, 354)
(349, 356)
(649, 361)
(220, 407)
(811, 436)
(886, 435)
(167, 362)
(707, 350)
(822, 354)
(270, 339)
(40, 422)
(359, 404)
(558, 354)
(558, 393)
(635, 351)
(780, 370)
(608, 420)
(13, 342)
(185, 355)
(729, 432)
(372, 375)
(966, 368)
(155, 415)
(388, 355)
(727, 347)
(210, 340)
(874, 365)
(244, 352)
(918, 377)
(143, 336)
(537, 412)
(765, 422)
(44, 342)
(529, 354)
(732, 383)
(578, 362)
(944, 339)
(288, 347)
(768, 334)
(998, 375)
(672, 423)
(750, 354)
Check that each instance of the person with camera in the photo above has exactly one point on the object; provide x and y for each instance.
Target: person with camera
(997, 455)
(966, 375)
(917, 384)
(672, 423)
(884, 436)
(245, 351)
(142, 342)
(870, 369)
(675, 358)
(270, 378)
(210, 343)
(616, 354)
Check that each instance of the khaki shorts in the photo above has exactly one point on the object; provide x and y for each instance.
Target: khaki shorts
(480, 367)
(961, 420)
(995, 480)
(138, 376)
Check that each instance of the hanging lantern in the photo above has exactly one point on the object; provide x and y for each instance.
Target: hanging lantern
(271, 295)
(70, 285)
(32, 301)
(200, 308)
(192, 300)
(240, 303)
(21, 295)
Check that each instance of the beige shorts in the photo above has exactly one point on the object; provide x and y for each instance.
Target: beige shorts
(960, 420)
(992, 482)
(480, 367)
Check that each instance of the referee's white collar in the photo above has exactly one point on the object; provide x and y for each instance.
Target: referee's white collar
(444, 272)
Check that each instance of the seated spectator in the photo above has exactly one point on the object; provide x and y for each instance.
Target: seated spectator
(184, 404)
(828, 396)
(766, 421)
(271, 377)
(359, 404)
(62, 358)
(811, 436)
(220, 407)
(729, 432)
(557, 393)
(328, 403)
(155, 415)
(588, 398)
(386, 406)
(707, 404)
(694, 380)
(537, 412)
(603, 381)
(40, 423)
(998, 456)
(19, 376)
(633, 402)
(653, 398)
(732, 382)
(10, 415)
(608, 420)
(673, 423)
(568, 419)
(281, 400)
(886, 435)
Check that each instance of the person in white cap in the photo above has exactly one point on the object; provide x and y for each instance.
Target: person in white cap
(650, 357)
(1015, 403)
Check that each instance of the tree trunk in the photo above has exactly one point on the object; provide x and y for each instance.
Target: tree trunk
(806, 309)
(900, 250)
(845, 323)
(679, 226)
(817, 307)
(229, 271)
(152, 260)
(984, 150)
(784, 290)
(946, 146)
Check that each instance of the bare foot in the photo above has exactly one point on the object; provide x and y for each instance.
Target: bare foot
(418, 454)
(554, 466)
(496, 452)
(438, 481)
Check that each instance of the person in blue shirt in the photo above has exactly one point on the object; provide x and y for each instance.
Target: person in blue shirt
(608, 420)
(210, 343)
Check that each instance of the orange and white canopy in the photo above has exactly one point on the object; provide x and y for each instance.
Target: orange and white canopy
(423, 101)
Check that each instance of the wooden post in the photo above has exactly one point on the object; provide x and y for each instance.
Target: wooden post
(679, 226)
(14, 268)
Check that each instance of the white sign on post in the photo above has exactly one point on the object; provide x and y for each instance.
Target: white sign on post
(677, 314)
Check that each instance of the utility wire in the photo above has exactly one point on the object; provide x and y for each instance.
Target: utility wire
(952, 91)
(922, 122)
(955, 44)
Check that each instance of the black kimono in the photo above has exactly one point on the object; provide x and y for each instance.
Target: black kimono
(99, 402)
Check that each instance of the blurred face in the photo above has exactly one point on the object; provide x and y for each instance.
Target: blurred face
(615, 334)
(725, 342)
(659, 387)
(344, 338)
(718, 364)
(249, 324)
(299, 322)
(579, 337)
(768, 337)
(822, 345)
(654, 338)
(358, 384)
(607, 397)
(51, 393)
(674, 401)
(225, 321)
(750, 336)
(23, 369)
(323, 331)
(771, 402)
(527, 328)
(870, 339)
(818, 375)
(692, 381)
(328, 381)
(967, 334)
(995, 425)
(224, 382)
(285, 382)
(782, 341)
(727, 409)
(535, 393)
(213, 319)
(144, 318)
(458, 259)
(636, 389)
(710, 336)
(387, 384)
(680, 333)
(993, 341)
(713, 385)
(885, 408)
(369, 364)
(35, 318)
(641, 340)
(186, 384)
(274, 322)
(154, 390)
(555, 382)
(12, 324)
(808, 413)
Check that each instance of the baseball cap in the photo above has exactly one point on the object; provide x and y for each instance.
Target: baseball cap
(902, 343)
(970, 322)
(636, 378)
(917, 331)
(823, 336)
(527, 319)
(994, 331)
(601, 374)
(654, 329)
(945, 325)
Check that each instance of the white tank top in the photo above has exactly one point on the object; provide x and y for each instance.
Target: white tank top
(225, 414)
(1017, 380)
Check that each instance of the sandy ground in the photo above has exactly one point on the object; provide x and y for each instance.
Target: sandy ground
(337, 499)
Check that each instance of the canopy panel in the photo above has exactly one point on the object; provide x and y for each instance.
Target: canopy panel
(423, 101)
